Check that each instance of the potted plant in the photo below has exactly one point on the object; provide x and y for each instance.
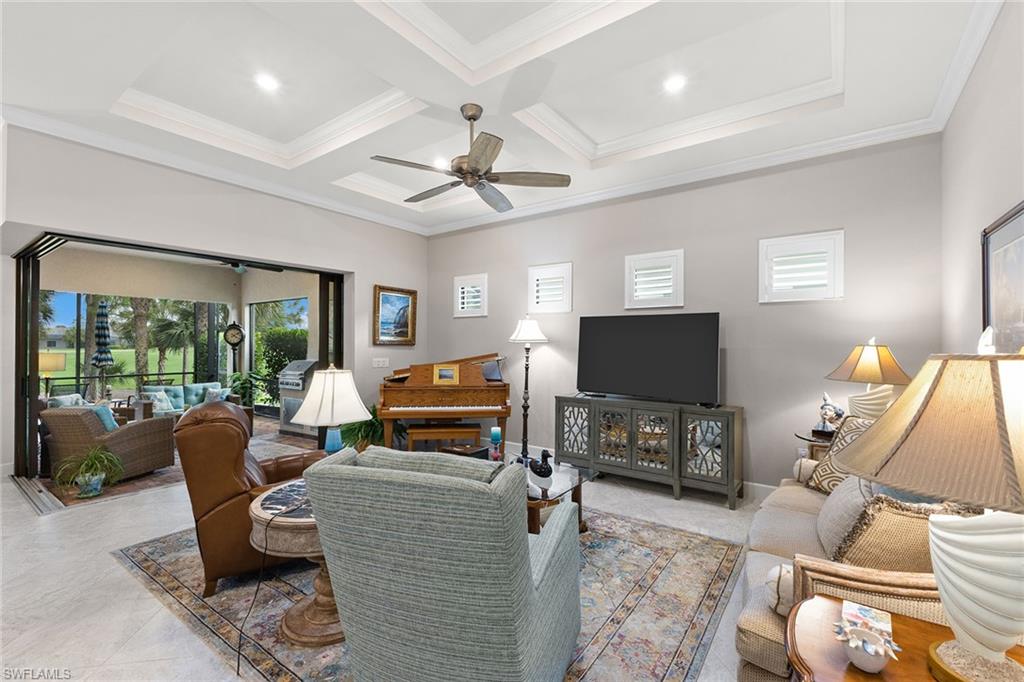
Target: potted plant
(89, 471)
(370, 432)
(245, 385)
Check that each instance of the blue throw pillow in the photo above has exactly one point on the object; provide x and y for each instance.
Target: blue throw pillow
(106, 416)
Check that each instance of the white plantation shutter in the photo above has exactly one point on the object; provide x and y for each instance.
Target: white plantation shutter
(801, 268)
(470, 296)
(654, 279)
(550, 288)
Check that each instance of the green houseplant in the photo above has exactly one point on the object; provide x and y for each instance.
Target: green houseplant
(89, 471)
(370, 432)
(245, 385)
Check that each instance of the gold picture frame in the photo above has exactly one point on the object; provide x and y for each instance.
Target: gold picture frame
(394, 316)
(446, 374)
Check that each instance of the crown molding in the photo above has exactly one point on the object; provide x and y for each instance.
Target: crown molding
(372, 186)
(724, 122)
(979, 24)
(365, 119)
(869, 138)
(547, 29)
(29, 120)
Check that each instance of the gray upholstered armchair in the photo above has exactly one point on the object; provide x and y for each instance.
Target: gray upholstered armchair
(435, 575)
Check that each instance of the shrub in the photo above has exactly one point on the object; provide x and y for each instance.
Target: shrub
(279, 345)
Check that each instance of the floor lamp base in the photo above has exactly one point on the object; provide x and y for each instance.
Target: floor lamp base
(950, 662)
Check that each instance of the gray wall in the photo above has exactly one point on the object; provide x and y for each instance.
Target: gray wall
(982, 172)
(775, 355)
(59, 185)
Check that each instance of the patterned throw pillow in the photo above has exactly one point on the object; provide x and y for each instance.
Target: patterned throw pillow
(893, 536)
(214, 395)
(161, 403)
(827, 475)
(71, 400)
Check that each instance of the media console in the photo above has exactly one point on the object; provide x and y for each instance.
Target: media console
(683, 445)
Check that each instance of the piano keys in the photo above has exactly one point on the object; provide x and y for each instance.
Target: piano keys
(424, 392)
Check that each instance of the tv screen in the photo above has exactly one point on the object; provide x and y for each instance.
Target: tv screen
(662, 357)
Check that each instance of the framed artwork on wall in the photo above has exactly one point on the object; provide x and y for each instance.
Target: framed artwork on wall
(1002, 268)
(394, 316)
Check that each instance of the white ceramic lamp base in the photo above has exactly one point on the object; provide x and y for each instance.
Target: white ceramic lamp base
(978, 563)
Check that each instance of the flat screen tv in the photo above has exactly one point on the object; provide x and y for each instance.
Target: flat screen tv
(661, 357)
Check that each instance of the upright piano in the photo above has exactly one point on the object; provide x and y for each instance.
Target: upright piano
(463, 388)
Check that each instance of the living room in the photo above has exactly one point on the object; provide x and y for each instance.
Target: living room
(894, 164)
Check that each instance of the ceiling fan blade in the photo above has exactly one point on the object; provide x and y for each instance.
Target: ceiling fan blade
(483, 152)
(411, 164)
(495, 199)
(433, 192)
(530, 179)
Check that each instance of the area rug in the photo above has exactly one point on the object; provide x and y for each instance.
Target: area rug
(651, 599)
(261, 449)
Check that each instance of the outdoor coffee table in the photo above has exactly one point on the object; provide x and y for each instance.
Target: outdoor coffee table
(283, 526)
(565, 480)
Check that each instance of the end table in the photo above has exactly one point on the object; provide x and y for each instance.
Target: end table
(817, 656)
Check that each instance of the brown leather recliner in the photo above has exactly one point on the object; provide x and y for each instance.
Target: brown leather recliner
(223, 478)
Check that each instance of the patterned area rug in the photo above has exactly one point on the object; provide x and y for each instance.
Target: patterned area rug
(261, 449)
(651, 598)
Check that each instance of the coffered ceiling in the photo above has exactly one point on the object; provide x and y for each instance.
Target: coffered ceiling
(627, 97)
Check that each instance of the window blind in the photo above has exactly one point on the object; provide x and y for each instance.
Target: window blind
(549, 289)
(795, 271)
(470, 298)
(653, 282)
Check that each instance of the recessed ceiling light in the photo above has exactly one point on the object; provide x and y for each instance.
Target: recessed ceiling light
(674, 84)
(267, 82)
(440, 164)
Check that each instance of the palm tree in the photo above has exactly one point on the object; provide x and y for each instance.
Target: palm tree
(177, 330)
(45, 312)
(140, 330)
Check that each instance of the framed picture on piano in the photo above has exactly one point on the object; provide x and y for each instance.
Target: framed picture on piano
(394, 316)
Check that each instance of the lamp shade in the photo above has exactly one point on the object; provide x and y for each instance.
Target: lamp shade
(870, 364)
(52, 362)
(332, 400)
(527, 331)
(956, 433)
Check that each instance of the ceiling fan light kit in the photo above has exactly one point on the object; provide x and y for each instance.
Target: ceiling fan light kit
(475, 169)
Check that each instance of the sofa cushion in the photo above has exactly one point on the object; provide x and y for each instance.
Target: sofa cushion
(193, 394)
(761, 634)
(784, 532)
(827, 475)
(841, 510)
(794, 496)
(161, 402)
(175, 393)
(71, 400)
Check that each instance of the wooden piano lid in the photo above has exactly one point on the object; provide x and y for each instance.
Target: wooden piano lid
(471, 372)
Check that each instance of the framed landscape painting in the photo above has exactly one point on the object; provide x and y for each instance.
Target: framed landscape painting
(394, 316)
(1002, 267)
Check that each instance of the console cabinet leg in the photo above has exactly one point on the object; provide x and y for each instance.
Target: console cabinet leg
(677, 489)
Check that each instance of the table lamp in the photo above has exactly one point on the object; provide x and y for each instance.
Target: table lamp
(869, 364)
(51, 362)
(527, 331)
(957, 433)
(332, 401)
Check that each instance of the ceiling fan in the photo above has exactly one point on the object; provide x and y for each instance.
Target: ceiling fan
(475, 169)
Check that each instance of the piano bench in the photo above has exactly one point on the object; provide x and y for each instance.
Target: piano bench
(441, 432)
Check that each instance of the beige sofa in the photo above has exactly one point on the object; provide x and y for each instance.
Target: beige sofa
(785, 531)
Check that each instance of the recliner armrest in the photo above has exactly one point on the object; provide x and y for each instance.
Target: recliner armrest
(287, 467)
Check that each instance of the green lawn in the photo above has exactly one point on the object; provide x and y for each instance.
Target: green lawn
(125, 354)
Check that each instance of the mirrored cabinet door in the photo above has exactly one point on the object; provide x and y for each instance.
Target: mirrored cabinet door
(613, 436)
(705, 441)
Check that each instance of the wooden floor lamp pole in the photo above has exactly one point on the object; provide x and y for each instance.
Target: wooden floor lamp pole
(526, 405)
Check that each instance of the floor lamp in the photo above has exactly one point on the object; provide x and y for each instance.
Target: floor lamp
(527, 331)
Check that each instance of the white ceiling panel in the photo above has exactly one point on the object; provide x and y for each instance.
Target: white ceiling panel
(574, 88)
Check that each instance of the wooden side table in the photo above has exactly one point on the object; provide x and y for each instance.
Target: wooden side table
(283, 525)
(817, 656)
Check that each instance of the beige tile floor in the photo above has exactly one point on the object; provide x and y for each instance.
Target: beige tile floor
(67, 605)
